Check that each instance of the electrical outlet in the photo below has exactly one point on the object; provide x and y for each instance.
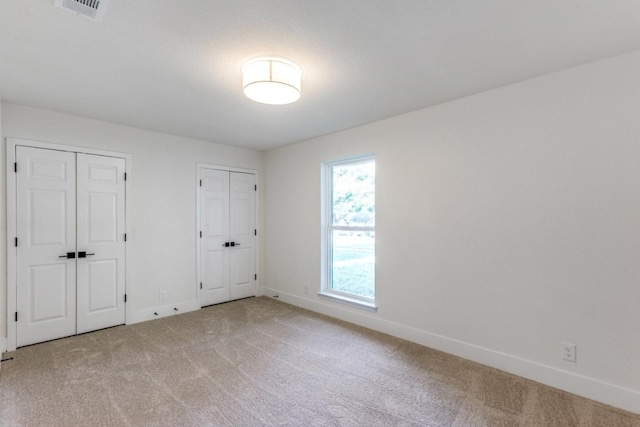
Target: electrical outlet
(163, 295)
(568, 352)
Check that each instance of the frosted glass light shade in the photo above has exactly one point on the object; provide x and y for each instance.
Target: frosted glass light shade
(271, 81)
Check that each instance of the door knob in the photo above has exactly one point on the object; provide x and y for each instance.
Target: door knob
(69, 255)
(83, 254)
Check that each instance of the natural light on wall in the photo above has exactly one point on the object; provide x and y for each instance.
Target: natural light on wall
(271, 81)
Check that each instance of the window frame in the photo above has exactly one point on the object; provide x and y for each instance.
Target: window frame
(327, 233)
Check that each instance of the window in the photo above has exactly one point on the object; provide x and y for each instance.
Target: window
(349, 231)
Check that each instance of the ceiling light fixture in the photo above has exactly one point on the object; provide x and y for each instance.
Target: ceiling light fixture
(271, 81)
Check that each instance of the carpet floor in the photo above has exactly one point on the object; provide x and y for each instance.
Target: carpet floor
(261, 362)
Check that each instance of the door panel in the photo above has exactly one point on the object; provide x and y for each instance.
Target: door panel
(102, 218)
(47, 292)
(216, 208)
(102, 284)
(46, 283)
(214, 256)
(50, 169)
(101, 226)
(216, 271)
(242, 270)
(243, 224)
(49, 229)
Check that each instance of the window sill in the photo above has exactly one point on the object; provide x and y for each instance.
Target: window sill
(349, 301)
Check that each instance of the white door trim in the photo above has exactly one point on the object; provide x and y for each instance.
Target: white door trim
(11, 302)
(199, 167)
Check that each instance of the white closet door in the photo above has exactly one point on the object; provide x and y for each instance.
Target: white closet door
(242, 218)
(214, 223)
(100, 242)
(46, 278)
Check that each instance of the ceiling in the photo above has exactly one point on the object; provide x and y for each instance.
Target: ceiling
(174, 66)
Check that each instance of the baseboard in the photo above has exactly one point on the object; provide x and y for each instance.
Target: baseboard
(610, 394)
(162, 311)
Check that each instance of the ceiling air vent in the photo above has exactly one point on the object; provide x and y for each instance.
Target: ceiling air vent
(93, 9)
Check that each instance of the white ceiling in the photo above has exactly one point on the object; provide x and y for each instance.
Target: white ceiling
(174, 66)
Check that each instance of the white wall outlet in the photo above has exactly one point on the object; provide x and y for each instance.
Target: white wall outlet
(163, 295)
(568, 352)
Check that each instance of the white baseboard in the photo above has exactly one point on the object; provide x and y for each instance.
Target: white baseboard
(610, 394)
(143, 315)
(162, 311)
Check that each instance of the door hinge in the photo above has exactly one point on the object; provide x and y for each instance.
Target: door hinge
(125, 176)
(16, 242)
(255, 187)
(125, 297)
(201, 234)
(125, 237)
(15, 167)
(16, 316)
(255, 277)
(255, 232)
(200, 183)
(200, 285)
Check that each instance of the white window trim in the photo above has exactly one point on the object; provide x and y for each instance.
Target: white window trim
(348, 300)
(326, 203)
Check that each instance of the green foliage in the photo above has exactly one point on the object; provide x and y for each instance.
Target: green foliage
(353, 195)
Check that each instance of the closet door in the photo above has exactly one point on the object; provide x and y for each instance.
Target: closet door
(46, 225)
(100, 242)
(214, 223)
(242, 223)
(227, 242)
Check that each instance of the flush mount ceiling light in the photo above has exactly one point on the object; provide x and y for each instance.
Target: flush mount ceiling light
(271, 81)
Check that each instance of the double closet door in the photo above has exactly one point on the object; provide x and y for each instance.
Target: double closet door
(227, 236)
(70, 245)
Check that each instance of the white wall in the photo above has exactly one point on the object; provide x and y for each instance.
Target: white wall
(162, 233)
(507, 223)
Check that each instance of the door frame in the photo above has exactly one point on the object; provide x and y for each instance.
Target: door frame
(199, 168)
(12, 143)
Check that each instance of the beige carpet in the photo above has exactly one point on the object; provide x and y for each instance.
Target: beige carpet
(261, 362)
